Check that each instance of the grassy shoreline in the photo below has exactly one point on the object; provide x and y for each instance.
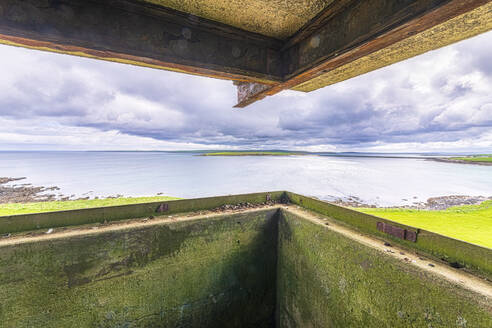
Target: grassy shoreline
(470, 223)
(476, 159)
(479, 159)
(253, 153)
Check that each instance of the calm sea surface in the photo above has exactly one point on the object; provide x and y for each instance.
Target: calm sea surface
(380, 181)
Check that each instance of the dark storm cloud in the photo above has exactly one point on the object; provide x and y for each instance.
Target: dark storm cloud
(443, 96)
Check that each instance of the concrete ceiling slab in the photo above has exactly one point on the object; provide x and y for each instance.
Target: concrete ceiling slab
(274, 18)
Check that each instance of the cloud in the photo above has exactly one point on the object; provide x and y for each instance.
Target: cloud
(440, 99)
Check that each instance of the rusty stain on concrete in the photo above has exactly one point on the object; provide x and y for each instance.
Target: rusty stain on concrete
(457, 29)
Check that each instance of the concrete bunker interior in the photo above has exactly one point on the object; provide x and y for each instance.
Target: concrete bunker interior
(292, 262)
(259, 260)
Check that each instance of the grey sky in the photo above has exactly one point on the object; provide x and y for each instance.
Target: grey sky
(440, 101)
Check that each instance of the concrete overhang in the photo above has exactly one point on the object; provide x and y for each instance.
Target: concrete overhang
(264, 46)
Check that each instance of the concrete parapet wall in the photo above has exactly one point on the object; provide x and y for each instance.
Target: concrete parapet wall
(26, 222)
(306, 264)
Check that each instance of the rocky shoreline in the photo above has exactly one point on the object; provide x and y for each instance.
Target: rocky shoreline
(432, 204)
(27, 193)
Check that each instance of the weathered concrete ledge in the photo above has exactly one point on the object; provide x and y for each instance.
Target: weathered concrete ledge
(26, 222)
(283, 260)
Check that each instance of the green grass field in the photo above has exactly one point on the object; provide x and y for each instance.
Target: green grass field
(486, 159)
(470, 223)
(26, 208)
(252, 153)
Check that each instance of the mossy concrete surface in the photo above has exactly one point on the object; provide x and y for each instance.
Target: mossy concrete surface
(272, 266)
(216, 272)
(459, 253)
(328, 280)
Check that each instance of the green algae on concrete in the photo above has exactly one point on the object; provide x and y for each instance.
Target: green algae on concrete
(216, 272)
(456, 252)
(271, 267)
(325, 279)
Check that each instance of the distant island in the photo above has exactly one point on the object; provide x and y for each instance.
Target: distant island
(482, 159)
(254, 153)
(475, 159)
